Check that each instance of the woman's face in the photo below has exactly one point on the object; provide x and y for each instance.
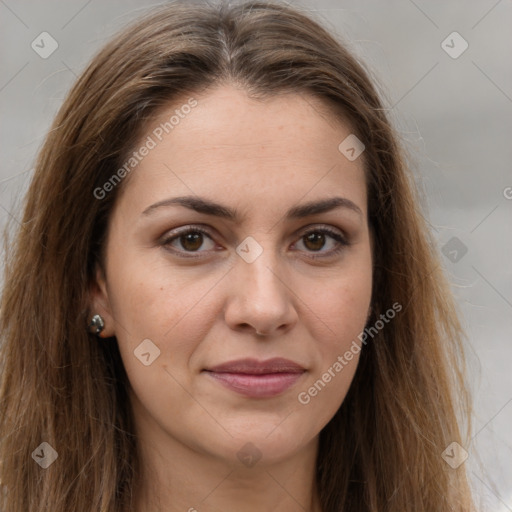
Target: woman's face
(261, 255)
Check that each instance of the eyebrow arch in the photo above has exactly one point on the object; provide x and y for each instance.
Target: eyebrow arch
(208, 207)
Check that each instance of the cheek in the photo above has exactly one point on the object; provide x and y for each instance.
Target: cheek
(171, 308)
(148, 296)
(344, 308)
(345, 311)
(162, 317)
(346, 303)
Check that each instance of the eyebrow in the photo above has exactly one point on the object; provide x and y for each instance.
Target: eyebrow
(208, 207)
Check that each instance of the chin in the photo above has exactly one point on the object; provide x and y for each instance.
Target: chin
(263, 443)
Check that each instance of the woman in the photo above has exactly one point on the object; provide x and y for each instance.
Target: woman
(223, 295)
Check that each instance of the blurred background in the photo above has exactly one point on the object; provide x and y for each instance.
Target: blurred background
(444, 70)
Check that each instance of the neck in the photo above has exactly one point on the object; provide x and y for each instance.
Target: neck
(178, 478)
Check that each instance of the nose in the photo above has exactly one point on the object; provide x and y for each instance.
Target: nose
(260, 300)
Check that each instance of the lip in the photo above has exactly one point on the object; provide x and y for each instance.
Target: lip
(257, 379)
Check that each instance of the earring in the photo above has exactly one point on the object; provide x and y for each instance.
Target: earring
(97, 325)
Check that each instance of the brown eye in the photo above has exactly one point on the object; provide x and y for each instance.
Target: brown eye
(315, 240)
(191, 241)
(188, 240)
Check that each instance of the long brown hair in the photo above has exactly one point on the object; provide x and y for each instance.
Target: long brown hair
(61, 385)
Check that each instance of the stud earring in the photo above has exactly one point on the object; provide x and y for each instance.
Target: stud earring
(97, 325)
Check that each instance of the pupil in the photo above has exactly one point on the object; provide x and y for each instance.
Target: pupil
(315, 238)
(191, 241)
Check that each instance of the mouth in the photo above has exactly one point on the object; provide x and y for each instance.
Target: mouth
(257, 379)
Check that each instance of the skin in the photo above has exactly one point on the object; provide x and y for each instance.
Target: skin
(261, 158)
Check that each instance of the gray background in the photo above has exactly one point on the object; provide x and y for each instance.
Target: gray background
(454, 115)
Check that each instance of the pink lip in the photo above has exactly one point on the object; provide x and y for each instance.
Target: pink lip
(258, 379)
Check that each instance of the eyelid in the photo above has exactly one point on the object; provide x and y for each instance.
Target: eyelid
(322, 227)
(335, 233)
(174, 234)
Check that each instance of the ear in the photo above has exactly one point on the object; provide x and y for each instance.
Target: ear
(100, 303)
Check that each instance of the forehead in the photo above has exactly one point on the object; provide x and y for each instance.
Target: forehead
(231, 146)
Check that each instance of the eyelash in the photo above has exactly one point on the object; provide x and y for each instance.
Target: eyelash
(342, 242)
